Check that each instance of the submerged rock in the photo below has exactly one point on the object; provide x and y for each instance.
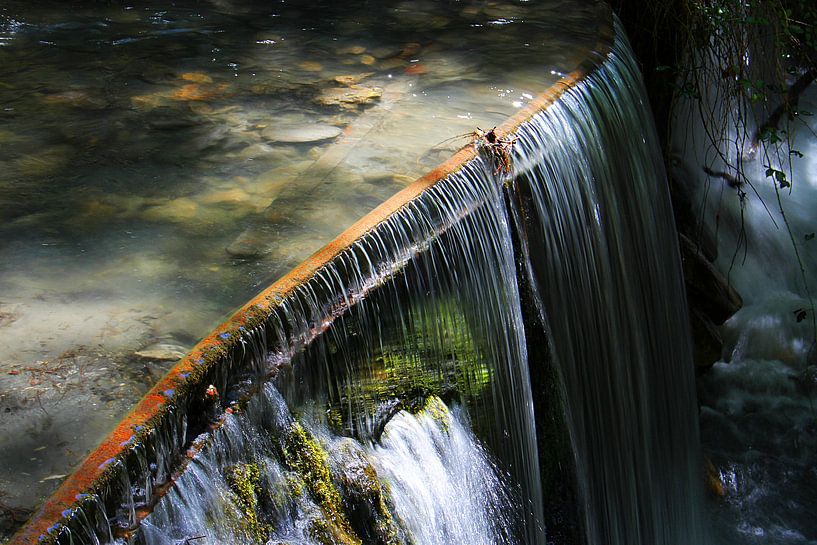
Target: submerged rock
(161, 352)
(351, 79)
(304, 455)
(301, 133)
(196, 77)
(349, 97)
(77, 99)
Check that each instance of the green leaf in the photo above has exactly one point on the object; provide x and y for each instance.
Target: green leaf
(795, 153)
(809, 236)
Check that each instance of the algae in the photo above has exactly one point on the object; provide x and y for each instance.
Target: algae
(243, 480)
(304, 455)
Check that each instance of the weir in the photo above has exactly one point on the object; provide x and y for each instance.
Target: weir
(412, 339)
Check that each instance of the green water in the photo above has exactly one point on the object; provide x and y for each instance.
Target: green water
(139, 142)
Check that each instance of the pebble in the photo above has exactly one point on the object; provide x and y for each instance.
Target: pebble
(351, 79)
(310, 66)
(196, 77)
(351, 50)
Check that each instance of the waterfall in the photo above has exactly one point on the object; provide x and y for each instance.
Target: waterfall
(601, 247)
(402, 410)
(425, 305)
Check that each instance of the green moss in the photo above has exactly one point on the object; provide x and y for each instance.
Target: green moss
(243, 480)
(436, 354)
(364, 497)
(295, 485)
(303, 455)
(434, 407)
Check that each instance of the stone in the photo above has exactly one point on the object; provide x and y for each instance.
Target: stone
(714, 483)
(363, 497)
(416, 69)
(149, 101)
(161, 352)
(196, 91)
(368, 60)
(351, 50)
(410, 50)
(77, 99)
(349, 97)
(310, 66)
(196, 77)
(246, 246)
(46, 162)
(351, 79)
(300, 134)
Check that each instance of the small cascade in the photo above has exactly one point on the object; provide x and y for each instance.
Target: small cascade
(428, 481)
(443, 484)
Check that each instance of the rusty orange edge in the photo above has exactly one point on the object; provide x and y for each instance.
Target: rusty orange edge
(96, 470)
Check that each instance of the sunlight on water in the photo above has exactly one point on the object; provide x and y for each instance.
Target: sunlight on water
(159, 166)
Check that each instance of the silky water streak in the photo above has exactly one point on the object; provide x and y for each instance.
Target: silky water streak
(601, 248)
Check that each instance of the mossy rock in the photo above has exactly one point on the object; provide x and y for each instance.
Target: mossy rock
(243, 480)
(364, 499)
(304, 455)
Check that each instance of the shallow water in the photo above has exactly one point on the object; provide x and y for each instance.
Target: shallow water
(139, 143)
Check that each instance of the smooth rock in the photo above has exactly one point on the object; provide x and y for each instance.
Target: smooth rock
(310, 66)
(161, 352)
(77, 99)
(301, 133)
